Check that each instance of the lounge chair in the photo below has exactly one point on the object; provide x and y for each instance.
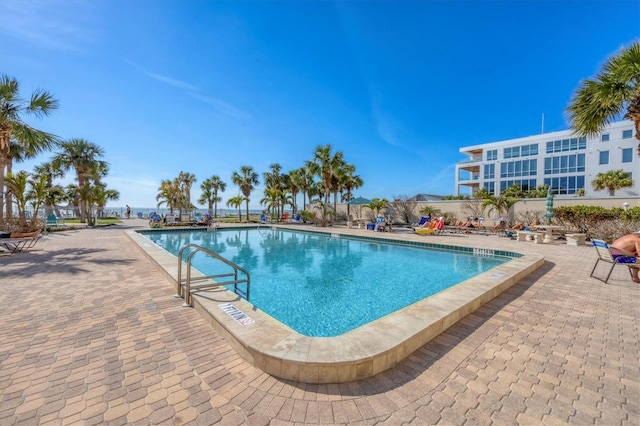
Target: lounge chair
(16, 244)
(605, 255)
(436, 227)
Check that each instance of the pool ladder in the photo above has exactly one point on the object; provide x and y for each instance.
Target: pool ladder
(184, 286)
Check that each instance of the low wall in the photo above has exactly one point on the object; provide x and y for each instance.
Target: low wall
(526, 204)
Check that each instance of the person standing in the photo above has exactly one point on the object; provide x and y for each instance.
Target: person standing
(128, 214)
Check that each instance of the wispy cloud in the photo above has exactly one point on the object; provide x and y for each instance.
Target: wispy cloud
(171, 81)
(221, 106)
(58, 25)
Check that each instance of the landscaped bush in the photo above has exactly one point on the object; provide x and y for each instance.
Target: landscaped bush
(598, 222)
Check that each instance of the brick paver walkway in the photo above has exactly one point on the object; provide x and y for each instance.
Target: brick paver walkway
(90, 334)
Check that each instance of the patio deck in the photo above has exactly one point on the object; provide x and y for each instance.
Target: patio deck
(91, 334)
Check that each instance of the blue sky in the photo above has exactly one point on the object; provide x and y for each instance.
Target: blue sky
(398, 86)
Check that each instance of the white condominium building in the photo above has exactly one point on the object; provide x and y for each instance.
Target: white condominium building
(563, 160)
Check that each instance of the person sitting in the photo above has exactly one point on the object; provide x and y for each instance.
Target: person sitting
(534, 225)
(20, 234)
(626, 249)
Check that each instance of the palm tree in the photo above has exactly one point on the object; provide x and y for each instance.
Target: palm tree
(306, 183)
(169, 194)
(49, 172)
(236, 202)
(247, 180)
(17, 186)
(601, 100)
(271, 200)
(210, 188)
(350, 182)
(82, 156)
(377, 204)
(611, 181)
(274, 180)
(324, 165)
(501, 205)
(100, 195)
(186, 181)
(13, 129)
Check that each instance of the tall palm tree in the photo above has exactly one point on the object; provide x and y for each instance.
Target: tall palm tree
(14, 131)
(615, 88)
(324, 165)
(306, 183)
(350, 182)
(247, 180)
(83, 156)
(612, 181)
(186, 182)
(294, 183)
(210, 188)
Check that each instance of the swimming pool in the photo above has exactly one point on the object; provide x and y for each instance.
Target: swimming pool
(322, 285)
(372, 348)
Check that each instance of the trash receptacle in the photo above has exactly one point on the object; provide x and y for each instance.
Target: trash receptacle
(371, 226)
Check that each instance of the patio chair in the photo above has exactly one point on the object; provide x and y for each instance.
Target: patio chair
(605, 255)
(52, 220)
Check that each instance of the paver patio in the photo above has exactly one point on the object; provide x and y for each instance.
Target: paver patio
(90, 334)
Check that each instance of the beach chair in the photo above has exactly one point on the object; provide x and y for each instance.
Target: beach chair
(16, 244)
(606, 255)
(436, 227)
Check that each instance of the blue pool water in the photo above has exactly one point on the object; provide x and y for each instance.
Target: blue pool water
(324, 286)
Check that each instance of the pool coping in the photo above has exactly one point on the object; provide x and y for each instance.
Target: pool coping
(366, 351)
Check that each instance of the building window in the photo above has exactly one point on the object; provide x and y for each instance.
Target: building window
(565, 184)
(627, 155)
(564, 164)
(520, 151)
(604, 157)
(492, 154)
(489, 171)
(490, 187)
(572, 144)
(525, 184)
(627, 134)
(604, 137)
(519, 168)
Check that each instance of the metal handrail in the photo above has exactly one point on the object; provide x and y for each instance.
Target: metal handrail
(213, 283)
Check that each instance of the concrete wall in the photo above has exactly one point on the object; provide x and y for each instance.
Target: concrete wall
(527, 204)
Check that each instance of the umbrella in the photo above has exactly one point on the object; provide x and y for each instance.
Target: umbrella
(500, 219)
(359, 201)
(548, 214)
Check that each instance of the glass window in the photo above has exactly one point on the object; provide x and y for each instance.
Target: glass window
(549, 147)
(492, 154)
(489, 171)
(627, 155)
(627, 134)
(581, 158)
(604, 137)
(582, 143)
(604, 157)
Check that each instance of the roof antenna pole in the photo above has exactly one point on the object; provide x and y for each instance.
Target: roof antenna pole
(543, 122)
